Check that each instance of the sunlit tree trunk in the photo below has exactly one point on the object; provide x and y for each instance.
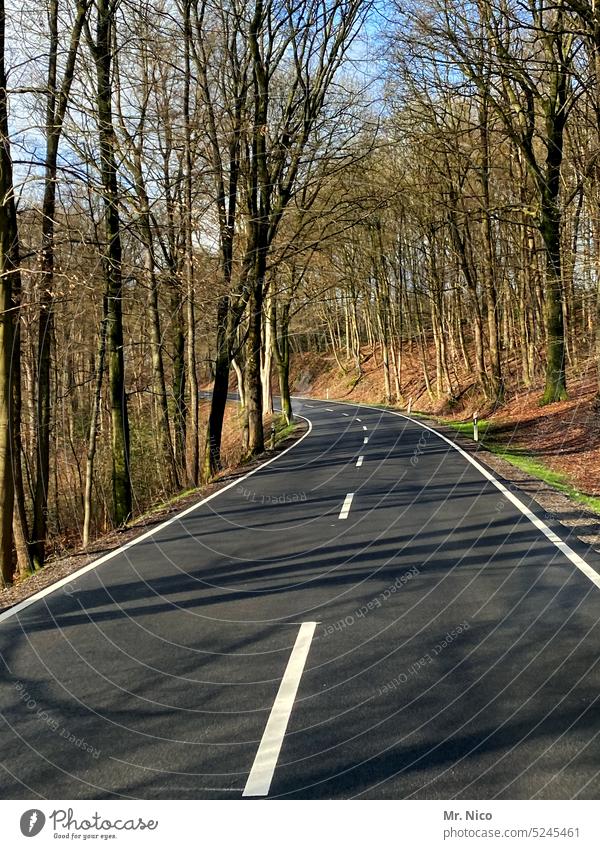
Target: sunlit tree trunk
(9, 268)
(121, 480)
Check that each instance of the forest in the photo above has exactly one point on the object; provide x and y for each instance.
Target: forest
(195, 192)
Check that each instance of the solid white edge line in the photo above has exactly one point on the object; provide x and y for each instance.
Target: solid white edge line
(565, 549)
(346, 505)
(17, 608)
(359, 462)
(265, 761)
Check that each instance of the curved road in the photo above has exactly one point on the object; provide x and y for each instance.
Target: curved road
(368, 615)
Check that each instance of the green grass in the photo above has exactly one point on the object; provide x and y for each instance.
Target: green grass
(466, 428)
(283, 429)
(557, 480)
(526, 462)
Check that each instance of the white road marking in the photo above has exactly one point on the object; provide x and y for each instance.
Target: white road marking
(17, 608)
(366, 439)
(346, 506)
(365, 427)
(358, 420)
(359, 462)
(261, 774)
(328, 410)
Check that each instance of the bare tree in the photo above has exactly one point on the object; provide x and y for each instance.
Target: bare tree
(9, 270)
(57, 100)
(101, 48)
(520, 61)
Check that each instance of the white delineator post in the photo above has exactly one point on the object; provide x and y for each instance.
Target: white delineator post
(475, 427)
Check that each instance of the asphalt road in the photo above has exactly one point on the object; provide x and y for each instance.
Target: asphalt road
(391, 627)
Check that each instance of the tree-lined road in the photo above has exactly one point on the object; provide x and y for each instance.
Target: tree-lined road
(367, 615)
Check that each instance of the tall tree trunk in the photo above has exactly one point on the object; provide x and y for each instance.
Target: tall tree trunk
(46, 318)
(193, 465)
(494, 381)
(193, 399)
(179, 404)
(596, 55)
(56, 105)
(9, 268)
(93, 429)
(121, 480)
(283, 373)
(239, 376)
(396, 369)
(550, 222)
(280, 341)
(556, 388)
(460, 245)
(254, 400)
(214, 426)
(267, 358)
(20, 522)
(166, 452)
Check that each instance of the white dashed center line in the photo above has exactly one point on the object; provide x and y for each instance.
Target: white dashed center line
(359, 462)
(346, 506)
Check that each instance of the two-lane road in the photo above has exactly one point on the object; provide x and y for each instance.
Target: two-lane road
(366, 615)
